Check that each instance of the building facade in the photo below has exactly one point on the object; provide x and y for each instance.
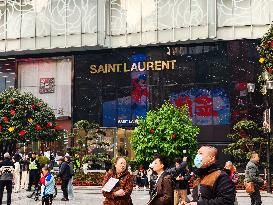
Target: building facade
(110, 61)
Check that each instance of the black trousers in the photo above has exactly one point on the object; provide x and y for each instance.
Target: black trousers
(256, 197)
(8, 185)
(64, 188)
(33, 178)
(47, 200)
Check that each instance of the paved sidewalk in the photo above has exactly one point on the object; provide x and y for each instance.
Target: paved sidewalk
(93, 196)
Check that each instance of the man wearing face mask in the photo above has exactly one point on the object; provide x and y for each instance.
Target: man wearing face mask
(213, 186)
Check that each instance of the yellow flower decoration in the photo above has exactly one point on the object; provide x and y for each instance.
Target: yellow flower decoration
(11, 129)
(30, 120)
(261, 60)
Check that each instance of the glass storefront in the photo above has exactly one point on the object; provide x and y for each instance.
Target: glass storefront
(113, 87)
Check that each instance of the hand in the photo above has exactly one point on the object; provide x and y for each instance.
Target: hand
(185, 159)
(42, 175)
(120, 192)
(179, 178)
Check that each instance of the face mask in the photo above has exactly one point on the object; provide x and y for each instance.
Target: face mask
(198, 161)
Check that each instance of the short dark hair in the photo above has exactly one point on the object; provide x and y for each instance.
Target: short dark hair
(163, 160)
(46, 168)
(178, 160)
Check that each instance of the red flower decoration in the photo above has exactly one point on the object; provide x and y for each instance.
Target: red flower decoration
(33, 106)
(58, 127)
(38, 127)
(174, 136)
(49, 124)
(11, 101)
(5, 119)
(39, 104)
(12, 112)
(271, 44)
(1, 127)
(269, 70)
(152, 131)
(22, 133)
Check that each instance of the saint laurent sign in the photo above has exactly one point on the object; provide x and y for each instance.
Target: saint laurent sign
(134, 67)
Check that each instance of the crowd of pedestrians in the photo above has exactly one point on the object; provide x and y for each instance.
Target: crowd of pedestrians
(170, 185)
(23, 172)
(167, 184)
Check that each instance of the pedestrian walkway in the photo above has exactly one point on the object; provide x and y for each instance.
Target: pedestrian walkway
(92, 195)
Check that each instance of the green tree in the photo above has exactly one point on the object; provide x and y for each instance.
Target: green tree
(25, 118)
(167, 130)
(246, 138)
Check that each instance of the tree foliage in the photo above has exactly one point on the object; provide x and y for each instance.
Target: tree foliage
(246, 138)
(24, 117)
(167, 130)
(266, 57)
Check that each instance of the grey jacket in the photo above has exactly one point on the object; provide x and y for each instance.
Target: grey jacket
(252, 174)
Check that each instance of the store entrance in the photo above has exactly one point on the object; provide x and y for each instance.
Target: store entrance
(123, 145)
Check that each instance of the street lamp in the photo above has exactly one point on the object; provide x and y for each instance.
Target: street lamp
(250, 90)
(267, 87)
(250, 87)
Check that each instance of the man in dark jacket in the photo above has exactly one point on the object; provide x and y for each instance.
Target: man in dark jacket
(65, 175)
(252, 175)
(6, 171)
(163, 194)
(213, 186)
(181, 179)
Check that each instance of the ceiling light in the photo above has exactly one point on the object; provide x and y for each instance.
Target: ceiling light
(8, 81)
(5, 76)
(8, 69)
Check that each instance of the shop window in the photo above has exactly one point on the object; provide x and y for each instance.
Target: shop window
(7, 74)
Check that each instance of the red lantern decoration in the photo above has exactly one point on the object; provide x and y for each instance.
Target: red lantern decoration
(12, 112)
(22, 133)
(38, 127)
(1, 127)
(152, 131)
(271, 44)
(5, 119)
(174, 136)
(49, 124)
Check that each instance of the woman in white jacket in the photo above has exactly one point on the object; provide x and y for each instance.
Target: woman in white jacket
(16, 175)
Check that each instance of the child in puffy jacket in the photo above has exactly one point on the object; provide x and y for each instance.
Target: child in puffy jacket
(48, 186)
